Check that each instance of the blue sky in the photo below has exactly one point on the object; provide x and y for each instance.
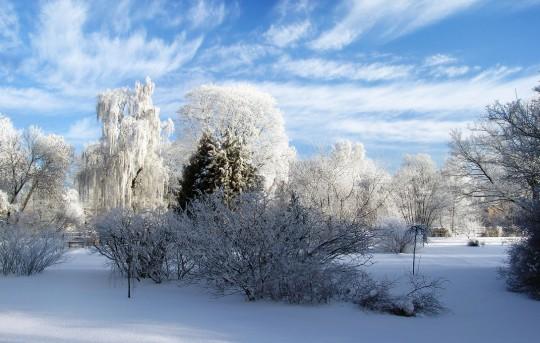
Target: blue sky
(396, 75)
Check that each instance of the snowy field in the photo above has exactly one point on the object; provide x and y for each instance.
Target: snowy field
(79, 301)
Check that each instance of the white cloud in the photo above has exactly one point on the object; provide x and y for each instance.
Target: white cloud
(288, 7)
(392, 18)
(9, 26)
(443, 65)
(451, 71)
(426, 130)
(317, 68)
(38, 100)
(206, 13)
(439, 59)
(284, 35)
(91, 61)
(83, 131)
(314, 112)
(496, 73)
(235, 59)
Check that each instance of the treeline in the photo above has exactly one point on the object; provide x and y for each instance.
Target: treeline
(226, 201)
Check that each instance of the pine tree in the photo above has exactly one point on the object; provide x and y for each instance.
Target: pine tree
(224, 165)
(242, 174)
(201, 173)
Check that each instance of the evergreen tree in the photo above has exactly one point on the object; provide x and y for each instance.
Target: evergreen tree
(200, 174)
(242, 174)
(224, 165)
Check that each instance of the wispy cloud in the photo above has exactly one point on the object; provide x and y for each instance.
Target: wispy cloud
(206, 13)
(83, 131)
(426, 130)
(324, 69)
(34, 100)
(235, 59)
(95, 60)
(443, 65)
(392, 19)
(9, 26)
(316, 111)
(439, 59)
(287, 8)
(284, 35)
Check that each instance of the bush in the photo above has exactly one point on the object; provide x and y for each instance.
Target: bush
(276, 250)
(422, 297)
(27, 251)
(395, 236)
(140, 245)
(523, 265)
(473, 243)
(523, 269)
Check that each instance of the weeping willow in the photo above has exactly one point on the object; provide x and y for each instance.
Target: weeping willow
(125, 168)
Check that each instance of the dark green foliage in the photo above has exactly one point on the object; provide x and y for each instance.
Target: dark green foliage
(200, 173)
(218, 164)
(242, 175)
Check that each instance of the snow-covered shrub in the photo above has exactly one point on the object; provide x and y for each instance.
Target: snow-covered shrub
(422, 297)
(473, 243)
(395, 236)
(27, 251)
(137, 244)
(182, 251)
(271, 249)
(523, 265)
(372, 295)
(523, 270)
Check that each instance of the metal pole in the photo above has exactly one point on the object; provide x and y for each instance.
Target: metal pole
(414, 250)
(129, 276)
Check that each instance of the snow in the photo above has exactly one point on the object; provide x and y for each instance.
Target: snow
(80, 301)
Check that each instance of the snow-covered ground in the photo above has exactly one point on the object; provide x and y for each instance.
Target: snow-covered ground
(80, 301)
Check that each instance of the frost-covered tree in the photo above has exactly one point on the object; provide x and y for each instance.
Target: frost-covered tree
(33, 166)
(463, 215)
(343, 183)
(418, 191)
(125, 169)
(501, 158)
(251, 115)
(241, 175)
